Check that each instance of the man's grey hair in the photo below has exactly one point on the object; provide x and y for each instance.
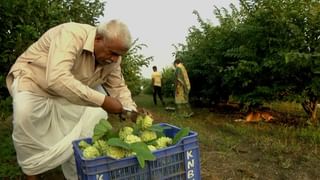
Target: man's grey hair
(115, 29)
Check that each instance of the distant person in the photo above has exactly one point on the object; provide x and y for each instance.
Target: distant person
(156, 83)
(182, 89)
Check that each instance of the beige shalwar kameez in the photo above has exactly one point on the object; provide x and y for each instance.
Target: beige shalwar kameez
(53, 85)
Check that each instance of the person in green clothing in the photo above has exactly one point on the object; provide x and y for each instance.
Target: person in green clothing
(182, 89)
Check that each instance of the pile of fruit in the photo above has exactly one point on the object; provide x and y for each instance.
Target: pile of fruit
(139, 140)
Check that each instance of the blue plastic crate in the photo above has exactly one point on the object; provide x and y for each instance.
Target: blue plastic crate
(177, 162)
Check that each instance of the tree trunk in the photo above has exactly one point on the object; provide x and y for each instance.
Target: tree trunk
(310, 107)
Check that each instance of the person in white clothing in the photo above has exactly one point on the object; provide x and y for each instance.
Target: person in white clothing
(59, 87)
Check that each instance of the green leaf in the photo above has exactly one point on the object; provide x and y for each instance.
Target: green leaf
(142, 149)
(153, 142)
(118, 142)
(160, 134)
(101, 129)
(142, 152)
(157, 128)
(112, 134)
(136, 129)
(182, 133)
(141, 161)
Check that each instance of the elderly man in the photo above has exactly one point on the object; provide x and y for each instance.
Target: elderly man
(58, 87)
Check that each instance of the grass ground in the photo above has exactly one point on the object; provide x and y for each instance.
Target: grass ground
(228, 149)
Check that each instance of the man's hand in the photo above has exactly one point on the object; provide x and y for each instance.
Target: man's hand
(128, 115)
(112, 105)
(133, 115)
(144, 111)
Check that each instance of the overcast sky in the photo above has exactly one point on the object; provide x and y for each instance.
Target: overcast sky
(161, 23)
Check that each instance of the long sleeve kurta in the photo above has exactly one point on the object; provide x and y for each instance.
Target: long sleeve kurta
(61, 63)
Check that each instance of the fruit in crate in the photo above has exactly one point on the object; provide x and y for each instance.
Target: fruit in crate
(138, 140)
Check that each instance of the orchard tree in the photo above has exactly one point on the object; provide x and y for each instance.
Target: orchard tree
(132, 62)
(204, 57)
(147, 86)
(268, 50)
(167, 87)
(278, 41)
